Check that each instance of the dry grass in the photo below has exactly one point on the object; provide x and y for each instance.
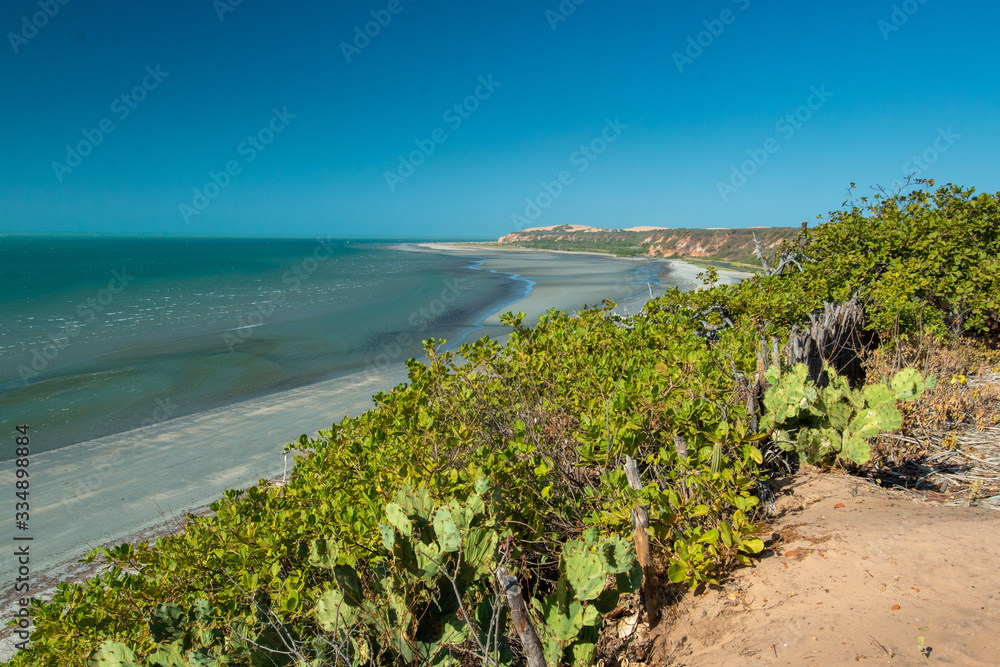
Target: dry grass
(950, 440)
(967, 392)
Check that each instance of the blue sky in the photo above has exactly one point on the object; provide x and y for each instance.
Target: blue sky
(268, 118)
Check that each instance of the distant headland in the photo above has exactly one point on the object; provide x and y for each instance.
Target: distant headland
(735, 246)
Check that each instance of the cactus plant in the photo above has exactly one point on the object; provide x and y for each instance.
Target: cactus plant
(427, 544)
(446, 531)
(571, 615)
(332, 611)
(186, 639)
(112, 654)
(835, 422)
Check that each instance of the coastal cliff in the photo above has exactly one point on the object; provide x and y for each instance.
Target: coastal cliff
(725, 245)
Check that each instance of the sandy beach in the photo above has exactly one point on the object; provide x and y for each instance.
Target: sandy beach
(560, 277)
(133, 485)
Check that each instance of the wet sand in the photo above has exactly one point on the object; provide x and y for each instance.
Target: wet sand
(565, 280)
(132, 485)
(560, 277)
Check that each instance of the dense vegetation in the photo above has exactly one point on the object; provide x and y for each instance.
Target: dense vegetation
(729, 246)
(381, 549)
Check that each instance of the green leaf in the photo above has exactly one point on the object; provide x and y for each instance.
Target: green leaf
(398, 518)
(677, 572)
(726, 534)
(333, 613)
(323, 552)
(112, 654)
(446, 531)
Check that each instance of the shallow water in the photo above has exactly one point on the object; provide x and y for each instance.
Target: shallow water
(102, 335)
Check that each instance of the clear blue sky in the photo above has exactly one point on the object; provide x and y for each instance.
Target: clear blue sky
(928, 88)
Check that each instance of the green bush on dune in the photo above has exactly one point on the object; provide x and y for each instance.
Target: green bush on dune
(382, 546)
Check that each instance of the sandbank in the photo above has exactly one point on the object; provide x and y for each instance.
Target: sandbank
(134, 485)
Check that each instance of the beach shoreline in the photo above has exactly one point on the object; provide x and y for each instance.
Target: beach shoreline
(561, 280)
(678, 269)
(140, 484)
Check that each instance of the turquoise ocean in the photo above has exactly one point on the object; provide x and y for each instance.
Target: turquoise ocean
(100, 335)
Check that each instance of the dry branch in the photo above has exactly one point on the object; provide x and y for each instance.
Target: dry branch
(640, 534)
(519, 617)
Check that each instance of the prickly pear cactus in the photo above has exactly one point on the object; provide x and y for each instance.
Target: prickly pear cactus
(333, 612)
(835, 422)
(417, 504)
(426, 542)
(184, 638)
(572, 615)
(909, 384)
(167, 623)
(112, 654)
(584, 570)
(446, 531)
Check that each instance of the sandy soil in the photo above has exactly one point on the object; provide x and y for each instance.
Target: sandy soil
(856, 574)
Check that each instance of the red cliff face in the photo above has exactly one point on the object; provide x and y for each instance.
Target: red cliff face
(735, 245)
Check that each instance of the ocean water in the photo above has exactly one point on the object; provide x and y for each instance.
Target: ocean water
(103, 335)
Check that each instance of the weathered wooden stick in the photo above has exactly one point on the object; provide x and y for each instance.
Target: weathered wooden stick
(640, 534)
(519, 616)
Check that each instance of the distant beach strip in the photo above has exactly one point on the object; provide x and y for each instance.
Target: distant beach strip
(138, 483)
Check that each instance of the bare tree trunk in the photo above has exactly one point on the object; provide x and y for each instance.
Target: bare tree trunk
(640, 534)
(837, 337)
(519, 616)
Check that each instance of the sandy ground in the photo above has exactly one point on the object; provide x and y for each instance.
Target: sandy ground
(856, 574)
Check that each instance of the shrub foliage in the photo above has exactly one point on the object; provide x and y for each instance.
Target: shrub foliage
(382, 546)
